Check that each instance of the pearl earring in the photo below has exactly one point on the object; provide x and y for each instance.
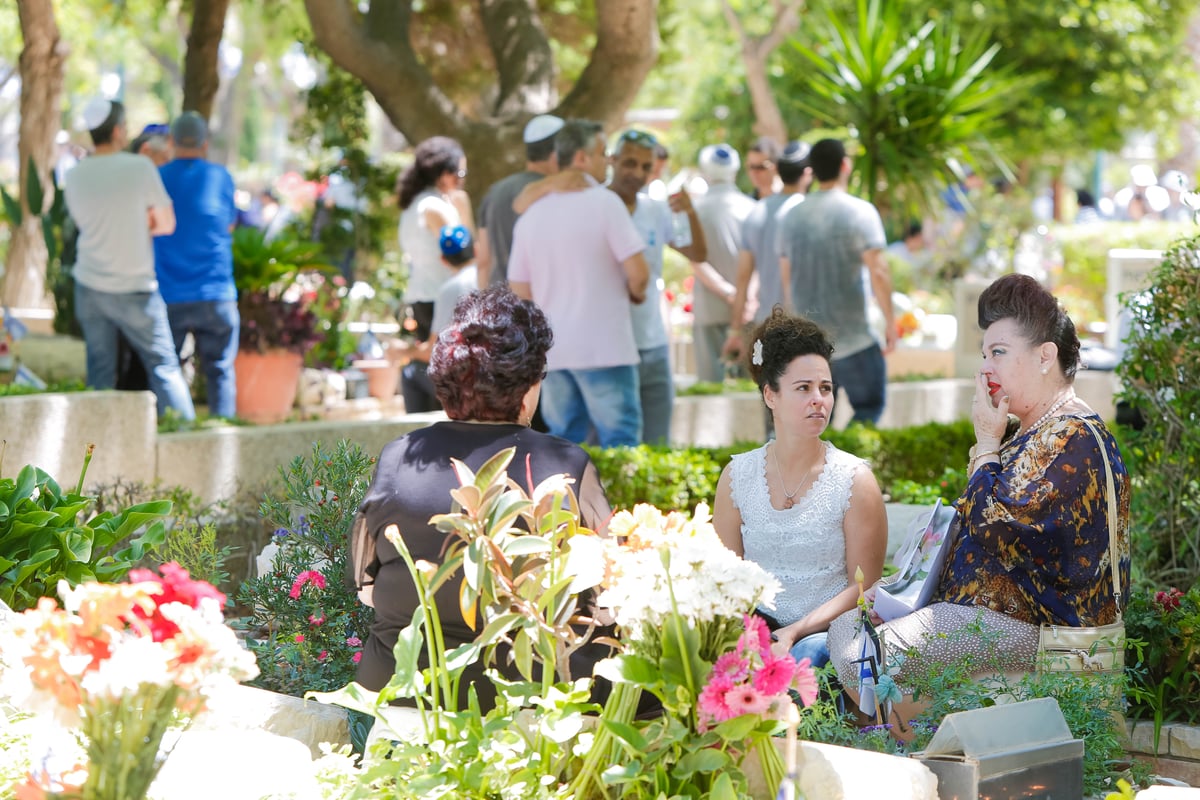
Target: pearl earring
(1045, 371)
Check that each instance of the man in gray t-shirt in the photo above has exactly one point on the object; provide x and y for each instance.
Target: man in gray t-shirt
(496, 216)
(824, 243)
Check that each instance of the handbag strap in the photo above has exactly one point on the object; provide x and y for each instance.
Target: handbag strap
(1113, 556)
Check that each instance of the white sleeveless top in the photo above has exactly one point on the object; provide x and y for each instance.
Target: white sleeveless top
(803, 546)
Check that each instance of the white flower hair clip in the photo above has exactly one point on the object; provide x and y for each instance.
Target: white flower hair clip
(756, 357)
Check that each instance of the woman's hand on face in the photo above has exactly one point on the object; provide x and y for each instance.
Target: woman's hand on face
(989, 420)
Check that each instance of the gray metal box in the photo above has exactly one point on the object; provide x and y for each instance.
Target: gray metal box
(1018, 750)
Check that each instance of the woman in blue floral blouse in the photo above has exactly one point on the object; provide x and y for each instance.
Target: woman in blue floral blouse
(1033, 536)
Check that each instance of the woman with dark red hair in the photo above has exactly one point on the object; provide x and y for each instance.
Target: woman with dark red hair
(487, 369)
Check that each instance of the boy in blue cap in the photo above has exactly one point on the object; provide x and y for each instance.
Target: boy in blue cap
(458, 253)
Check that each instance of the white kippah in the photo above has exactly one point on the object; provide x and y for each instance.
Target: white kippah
(95, 112)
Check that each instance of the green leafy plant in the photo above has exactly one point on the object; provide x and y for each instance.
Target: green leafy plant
(662, 477)
(266, 271)
(520, 559)
(1163, 656)
(48, 534)
(58, 232)
(306, 627)
(194, 547)
(1091, 705)
(1160, 373)
(918, 95)
(949, 487)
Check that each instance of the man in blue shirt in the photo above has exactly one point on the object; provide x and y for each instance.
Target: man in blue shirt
(195, 264)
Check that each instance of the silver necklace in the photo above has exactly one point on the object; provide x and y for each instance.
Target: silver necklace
(1050, 412)
(789, 497)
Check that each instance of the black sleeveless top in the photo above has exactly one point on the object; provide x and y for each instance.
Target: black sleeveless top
(412, 483)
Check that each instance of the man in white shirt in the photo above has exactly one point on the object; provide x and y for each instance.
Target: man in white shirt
(579, 257)
(118, 202)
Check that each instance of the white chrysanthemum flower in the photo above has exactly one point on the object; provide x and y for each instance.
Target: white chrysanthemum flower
(133, 661)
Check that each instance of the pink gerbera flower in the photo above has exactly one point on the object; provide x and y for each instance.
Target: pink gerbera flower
(757, 638)
(732, 665)
(806, 682)
(745, 699)
(712, 704)
(775, 675)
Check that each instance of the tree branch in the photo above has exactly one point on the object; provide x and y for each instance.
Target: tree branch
(200, 76)
(626, 49)
(384, 60)
(524, 60)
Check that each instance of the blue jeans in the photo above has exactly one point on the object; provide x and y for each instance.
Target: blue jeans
(606, 399)
(141, 317)
(814, 647)
(657, 391)
(863, 376)
(214, 325)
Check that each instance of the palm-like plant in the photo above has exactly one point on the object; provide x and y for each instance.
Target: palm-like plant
(921, 102)
(265, 271)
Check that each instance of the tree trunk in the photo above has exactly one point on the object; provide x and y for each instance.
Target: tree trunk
(375, 47)
(41, 63)
(1187, 158)
(756, 55)
(200, 77)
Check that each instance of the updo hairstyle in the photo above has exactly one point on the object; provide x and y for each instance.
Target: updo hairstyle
(490, 355)
(784, 337)
(1037, 313)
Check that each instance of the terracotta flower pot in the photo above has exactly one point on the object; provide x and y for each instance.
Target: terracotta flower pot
(266, 384)
(383, 376)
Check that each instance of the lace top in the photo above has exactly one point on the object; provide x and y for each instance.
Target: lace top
(803, 546)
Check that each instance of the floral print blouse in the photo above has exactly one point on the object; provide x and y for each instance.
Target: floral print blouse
(1033, 542)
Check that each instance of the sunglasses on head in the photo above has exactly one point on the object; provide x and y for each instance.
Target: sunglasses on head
(639, 138)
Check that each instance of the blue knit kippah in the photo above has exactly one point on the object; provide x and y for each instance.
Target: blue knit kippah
(453, 240)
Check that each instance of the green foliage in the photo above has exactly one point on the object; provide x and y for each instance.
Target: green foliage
(1081, 283)
(1163, 656)
(194, 547)
(921, 453)
(48, 534)
(305, 625)
(1161, 376)
(919, 96)
(662, 477)
(1114, 66)
(914, 464)
(266, 274)
(1091, 704)
(951, 485)
(18, 389)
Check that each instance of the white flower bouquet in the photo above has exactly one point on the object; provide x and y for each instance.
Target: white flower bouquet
(118, 663)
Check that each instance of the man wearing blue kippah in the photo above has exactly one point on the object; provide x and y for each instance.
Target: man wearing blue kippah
(458, 253)
(195, 263)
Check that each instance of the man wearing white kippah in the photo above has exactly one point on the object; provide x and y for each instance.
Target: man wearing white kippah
(118, 202)
(496, 215)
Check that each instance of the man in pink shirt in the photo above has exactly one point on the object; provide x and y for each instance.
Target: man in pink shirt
(579, 257)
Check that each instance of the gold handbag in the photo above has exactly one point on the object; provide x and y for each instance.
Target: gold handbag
(1100, 648)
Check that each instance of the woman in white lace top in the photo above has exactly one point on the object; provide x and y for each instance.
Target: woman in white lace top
(799, 507)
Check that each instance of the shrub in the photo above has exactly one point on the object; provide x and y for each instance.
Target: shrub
(1161, 376)
(1163, 656)
(306, 627)
(1081, 283)
(913, 465)
(660, 476)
